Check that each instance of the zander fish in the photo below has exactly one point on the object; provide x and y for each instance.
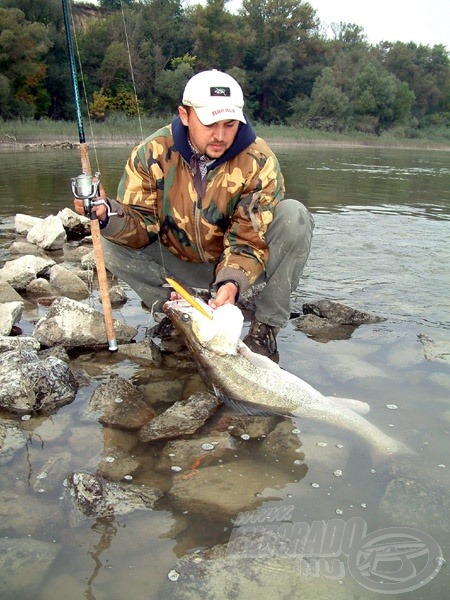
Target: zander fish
(243, 378)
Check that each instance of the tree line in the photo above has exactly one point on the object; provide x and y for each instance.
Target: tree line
(138, 55)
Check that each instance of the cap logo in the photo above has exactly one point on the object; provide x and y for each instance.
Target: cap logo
(220, 91)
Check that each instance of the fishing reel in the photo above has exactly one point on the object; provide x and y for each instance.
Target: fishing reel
(85, 187)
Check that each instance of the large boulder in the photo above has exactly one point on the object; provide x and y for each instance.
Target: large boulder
(76, 325)
(31, 384)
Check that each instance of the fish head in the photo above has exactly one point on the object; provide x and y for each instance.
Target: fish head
(220, 335)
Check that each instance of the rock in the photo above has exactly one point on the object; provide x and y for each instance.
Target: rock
(327, 320)
(263, 568)
(24, 563)
(415, 503)
(76, 325)
(8, 293)
(183, 418)
(11, 439)
(20, 271)
(18, 343)
(94, 496)
(21, 247)
(117, 465)
(10, 313)
(117, 295)
(437, 349)
(119, 404)
(191, 454)
(283, 443)
(41, 287)
(166, 391)
(76, 225)
(88, 261)
(29, 384)
(67, 283)
(226, 489)
(58, 351)
(51, 475)
(143, 351)
(48, 234)
(25, 513)
(24, 223)
(250, 427)
(339, 313)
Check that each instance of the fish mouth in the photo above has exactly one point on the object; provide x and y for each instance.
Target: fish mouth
(179, 312)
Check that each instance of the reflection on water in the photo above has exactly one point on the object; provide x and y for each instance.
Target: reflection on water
(381, 245)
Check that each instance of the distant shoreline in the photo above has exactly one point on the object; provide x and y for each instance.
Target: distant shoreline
(273, 141)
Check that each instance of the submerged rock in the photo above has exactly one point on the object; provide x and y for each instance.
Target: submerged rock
(118, 403)
(188, 455)
(24, 563)
(92, 495)
(260, 568)
(328, 320)
(11, 439)
(183, 418)
(415, 503)
(226, 489)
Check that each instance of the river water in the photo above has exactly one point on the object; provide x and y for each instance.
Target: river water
(382, 245)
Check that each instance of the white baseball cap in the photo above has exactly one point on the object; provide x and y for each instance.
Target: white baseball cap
(215, 96)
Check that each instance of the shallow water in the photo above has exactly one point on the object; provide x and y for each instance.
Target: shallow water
(381, 245)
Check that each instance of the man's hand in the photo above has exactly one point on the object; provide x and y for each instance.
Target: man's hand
(100, 210)
(226, 294)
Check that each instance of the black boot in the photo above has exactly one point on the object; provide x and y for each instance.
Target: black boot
(262, 339)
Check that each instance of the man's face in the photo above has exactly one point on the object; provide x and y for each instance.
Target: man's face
(212, 140)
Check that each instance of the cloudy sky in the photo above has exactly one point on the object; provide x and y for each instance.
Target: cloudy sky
(424, 22)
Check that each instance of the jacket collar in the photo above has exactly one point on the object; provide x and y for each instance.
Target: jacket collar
(244, 137)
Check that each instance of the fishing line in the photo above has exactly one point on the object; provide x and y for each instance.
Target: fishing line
(160, 246)
(131, 70)
(133, 81)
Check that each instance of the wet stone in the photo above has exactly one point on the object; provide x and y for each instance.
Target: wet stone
(118, 403)
(24, 514)
(11, 440)
(116, 470)
(166, 391)
(24, 563)
(238, 425)
(142, 352)
(256, 570)
(92, 495)
(283, 444)
(50, 476)
(183, 418)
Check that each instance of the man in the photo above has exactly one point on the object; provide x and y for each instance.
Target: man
(201, 200)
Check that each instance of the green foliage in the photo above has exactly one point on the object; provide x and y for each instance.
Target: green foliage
(290, 72)
(23, 45)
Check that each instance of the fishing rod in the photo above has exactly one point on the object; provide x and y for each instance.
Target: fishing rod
(85, 187)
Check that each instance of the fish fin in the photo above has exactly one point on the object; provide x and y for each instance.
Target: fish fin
(264, 362)
(362, 408)
(250, 410)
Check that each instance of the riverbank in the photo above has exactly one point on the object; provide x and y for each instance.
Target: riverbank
(121, 133)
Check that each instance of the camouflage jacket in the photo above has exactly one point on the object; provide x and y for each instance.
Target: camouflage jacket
(157, 199)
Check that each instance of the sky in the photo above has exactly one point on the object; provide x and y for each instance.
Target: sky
(423, 22)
